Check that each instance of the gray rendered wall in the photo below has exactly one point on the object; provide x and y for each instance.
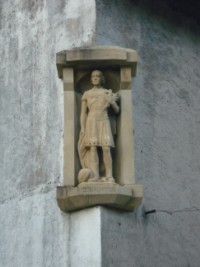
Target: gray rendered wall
(166, 97)
(33, 230)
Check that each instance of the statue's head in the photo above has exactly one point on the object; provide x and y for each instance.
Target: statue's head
(97, 78)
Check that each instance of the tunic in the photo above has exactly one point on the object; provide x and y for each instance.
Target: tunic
(97, 129)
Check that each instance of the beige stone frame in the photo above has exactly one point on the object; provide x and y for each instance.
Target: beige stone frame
(74, 66)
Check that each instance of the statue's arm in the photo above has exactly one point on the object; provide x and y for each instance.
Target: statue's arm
(112, 100)
(114, 106)
(83, 115)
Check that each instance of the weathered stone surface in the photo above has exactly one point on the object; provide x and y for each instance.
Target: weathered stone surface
(95, 130)
(91, 194)
(74, 67)
(107, 56)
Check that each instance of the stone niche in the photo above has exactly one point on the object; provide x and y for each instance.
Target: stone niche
(118, 66)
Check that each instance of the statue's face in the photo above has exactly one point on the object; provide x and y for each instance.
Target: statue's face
(96, 78)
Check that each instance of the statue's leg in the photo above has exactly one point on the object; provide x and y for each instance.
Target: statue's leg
(107, 159)
(94, 164)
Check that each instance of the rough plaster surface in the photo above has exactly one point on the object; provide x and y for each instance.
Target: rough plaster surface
(85, 238)
(31, 93)
(33, 231)
(166, 99)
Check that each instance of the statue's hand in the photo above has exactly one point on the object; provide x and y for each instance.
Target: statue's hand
(116, 97)
(82, 132)
(112, 97)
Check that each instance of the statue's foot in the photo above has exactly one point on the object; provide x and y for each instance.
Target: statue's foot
(93, 180)
(107, 179)
(102, 180)
(110, 179)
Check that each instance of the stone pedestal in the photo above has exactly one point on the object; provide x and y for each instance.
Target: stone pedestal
(92, 194)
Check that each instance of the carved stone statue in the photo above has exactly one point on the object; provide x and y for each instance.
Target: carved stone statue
(96, 137)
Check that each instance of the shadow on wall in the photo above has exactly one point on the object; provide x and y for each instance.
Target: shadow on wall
(174, 10)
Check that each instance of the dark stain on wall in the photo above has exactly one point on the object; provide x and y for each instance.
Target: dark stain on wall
(175, 10)
(32, 6)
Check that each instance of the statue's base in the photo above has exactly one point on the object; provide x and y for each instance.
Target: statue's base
(127, 197)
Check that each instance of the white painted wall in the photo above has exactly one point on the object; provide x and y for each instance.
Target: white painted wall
(33, 231)
(85, 238)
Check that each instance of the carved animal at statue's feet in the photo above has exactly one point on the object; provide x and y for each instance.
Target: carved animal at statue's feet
(84, 175)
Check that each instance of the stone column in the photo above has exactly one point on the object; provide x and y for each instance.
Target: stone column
(125, 149)
(69, 129)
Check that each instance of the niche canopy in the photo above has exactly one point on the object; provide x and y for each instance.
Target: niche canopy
(118, 66)
(97, 57)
